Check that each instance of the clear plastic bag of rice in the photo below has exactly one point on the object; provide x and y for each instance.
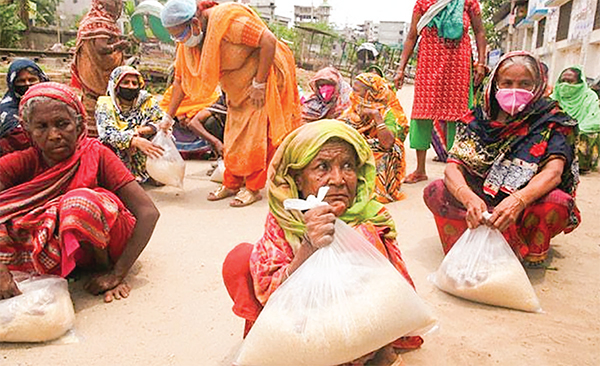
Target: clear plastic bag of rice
(169, 169)
(482, 267)
(43, 312)
(345, 301)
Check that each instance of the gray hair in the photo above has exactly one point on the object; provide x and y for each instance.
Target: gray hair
(30, 104)
(527, 62)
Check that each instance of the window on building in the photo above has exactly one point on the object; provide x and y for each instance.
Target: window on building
(597, 16)
(564, 20)
(541, 30)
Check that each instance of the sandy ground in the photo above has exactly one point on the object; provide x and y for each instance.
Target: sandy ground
(179, 311)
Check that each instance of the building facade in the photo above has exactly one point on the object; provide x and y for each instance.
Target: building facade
(312, 14)
(561, 33)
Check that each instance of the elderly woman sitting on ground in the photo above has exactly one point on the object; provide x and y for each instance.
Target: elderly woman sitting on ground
(330, 97)
(22, 74)
(127, 118)
(323, 153)
(513, 156)
(377, 114)
(579, 101)
(69, 201)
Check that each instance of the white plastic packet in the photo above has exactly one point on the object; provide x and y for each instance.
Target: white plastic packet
(43, 312)
(345, 301)
(169, 169)
(482, 267)
(217, 175)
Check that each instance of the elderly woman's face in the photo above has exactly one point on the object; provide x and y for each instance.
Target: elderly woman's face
(515, 76)
(569, 76)
(334, 166)
(53, 130)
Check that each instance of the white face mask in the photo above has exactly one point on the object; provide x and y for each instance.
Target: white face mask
(194, 40)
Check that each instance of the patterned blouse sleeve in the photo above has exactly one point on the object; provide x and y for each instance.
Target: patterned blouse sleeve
(269, 259)
(153, 113)
(246, 31)
(108, 133)
(419, 7)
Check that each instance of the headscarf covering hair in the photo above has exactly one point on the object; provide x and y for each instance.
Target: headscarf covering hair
(9, 106)
(297, 150)
(97, 23)
(177, 12)
(56, 91)
(116, 76)
(578, 101)
(490, 104)
(379, 96)
(315, 107)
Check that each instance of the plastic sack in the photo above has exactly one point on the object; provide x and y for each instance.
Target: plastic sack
(217, 175)
(169, 169)
(43, 312)
(345, 301)
(482, 267)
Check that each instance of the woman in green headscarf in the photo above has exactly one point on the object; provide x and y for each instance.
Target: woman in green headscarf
(579, 101)
(324, 153)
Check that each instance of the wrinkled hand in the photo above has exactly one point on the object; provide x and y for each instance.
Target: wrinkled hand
(506, 213)
(147, 147)
(8, 287)
(166, 123)
(257, 96)
(399, 79)
(372, 113)
(478, 75)
(218, 146)
(320, 225)
(102, 282)
(475, 209)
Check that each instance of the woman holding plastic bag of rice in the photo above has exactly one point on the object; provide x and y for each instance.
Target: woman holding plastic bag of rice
(324, 153)
(513, 156)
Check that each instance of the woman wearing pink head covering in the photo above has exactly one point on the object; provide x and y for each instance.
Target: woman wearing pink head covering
(68, 200)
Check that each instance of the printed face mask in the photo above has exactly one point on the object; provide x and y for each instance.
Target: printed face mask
(513, 101)
(326, 92)
(128, 94)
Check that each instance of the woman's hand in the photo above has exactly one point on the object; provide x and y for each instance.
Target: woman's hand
(506, 213)
(475, 209)
(320, 223)
(8, 287)
(479, 74)
(147, 147)
(373, 114)
(166, 123)
(399, 79)
(218, 146)
(257, 94)
(110, 284)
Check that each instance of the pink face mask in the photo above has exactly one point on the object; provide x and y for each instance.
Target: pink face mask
(326, 92)
(513, 101)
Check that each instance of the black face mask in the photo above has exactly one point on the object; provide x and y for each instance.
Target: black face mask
(20, 90)
(128, 94)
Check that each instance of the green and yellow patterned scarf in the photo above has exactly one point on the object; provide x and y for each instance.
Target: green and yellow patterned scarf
(297, 150)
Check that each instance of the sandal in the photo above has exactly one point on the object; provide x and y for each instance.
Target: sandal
(245, 197)
(414, 177)
(220, 193)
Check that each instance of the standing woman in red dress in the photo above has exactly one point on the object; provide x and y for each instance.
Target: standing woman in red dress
(445, 72)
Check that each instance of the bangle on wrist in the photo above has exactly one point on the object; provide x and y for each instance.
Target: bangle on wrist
(257, 85)
(381, 126)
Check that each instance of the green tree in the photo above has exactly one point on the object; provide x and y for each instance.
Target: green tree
(488, 9)
(10, 25)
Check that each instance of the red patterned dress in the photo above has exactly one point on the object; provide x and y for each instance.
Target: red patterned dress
(443, 69)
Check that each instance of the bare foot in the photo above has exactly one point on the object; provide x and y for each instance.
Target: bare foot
(387, 357)
(120, 292)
